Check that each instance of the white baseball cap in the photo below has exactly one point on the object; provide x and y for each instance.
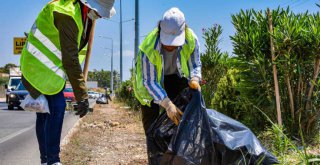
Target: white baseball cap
(104, 7)
(173, 26)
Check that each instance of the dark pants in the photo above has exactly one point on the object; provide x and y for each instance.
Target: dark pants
(173, 85)
(48, 128)
(108, 98)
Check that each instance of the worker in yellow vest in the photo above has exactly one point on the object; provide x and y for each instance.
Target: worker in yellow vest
(167, 63)
(51, 55)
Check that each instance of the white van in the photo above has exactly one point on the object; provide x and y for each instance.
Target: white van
(12, 84)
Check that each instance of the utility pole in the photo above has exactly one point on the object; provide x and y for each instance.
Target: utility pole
(111, 76)
(136, 41)
(120, 41)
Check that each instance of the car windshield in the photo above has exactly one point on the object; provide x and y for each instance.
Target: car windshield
(68, 90)
(20, 87)
(15, 82)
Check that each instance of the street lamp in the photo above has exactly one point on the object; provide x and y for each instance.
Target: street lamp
(120, 29)
(111, 76)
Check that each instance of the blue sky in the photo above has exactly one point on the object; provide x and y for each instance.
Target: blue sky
(17, 17)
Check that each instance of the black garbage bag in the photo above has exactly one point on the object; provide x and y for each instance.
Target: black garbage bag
(203, 137)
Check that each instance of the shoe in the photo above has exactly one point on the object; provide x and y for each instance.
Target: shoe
(57, 163)
(44, 164)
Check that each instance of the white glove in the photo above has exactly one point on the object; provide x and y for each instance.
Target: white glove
(173, 112)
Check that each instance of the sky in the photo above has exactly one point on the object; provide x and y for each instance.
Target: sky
(17, 17)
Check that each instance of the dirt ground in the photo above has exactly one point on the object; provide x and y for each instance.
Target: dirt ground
(110, 135)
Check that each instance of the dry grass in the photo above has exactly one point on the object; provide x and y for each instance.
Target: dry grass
(110, 136)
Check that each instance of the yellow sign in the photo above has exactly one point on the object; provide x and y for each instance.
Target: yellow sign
(18, 43)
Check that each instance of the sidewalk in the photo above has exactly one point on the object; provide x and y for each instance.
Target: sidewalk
(109, 135)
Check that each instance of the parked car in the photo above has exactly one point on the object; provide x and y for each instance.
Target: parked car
(69, 95)
(16, 96)
(12, 84)
(97, 94)
(93, 95)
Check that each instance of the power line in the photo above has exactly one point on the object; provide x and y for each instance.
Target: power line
(290, 3)
(300, 4)
(286, 3)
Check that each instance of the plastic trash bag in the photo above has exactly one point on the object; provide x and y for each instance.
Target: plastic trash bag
(39, 105)
(203, 137)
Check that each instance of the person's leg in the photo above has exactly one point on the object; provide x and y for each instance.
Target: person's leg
(40, 131)
(57, 106)
(149, 115)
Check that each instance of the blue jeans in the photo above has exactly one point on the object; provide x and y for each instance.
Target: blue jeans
(49, 127)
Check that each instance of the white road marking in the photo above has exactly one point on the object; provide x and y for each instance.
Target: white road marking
(16, 134)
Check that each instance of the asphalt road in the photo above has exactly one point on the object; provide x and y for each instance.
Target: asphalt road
(18, 142)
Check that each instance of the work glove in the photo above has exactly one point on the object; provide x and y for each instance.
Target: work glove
(194, 83)
(173, 112)
(82, 108)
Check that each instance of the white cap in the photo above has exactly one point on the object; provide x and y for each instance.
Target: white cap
(173, 26)
(104, 7)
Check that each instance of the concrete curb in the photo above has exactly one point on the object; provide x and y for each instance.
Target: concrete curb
(67, 138)
(74, 129)
(2, 100)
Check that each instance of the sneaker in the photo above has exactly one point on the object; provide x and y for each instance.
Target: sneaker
(57, 163)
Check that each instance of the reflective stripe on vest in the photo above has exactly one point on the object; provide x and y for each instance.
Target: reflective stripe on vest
(45, 60)
(46, 42)
(149, 48)
(41, 58)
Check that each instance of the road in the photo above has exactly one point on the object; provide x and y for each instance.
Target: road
(18, 143)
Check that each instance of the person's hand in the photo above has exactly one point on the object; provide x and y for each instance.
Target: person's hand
(194, 83)
(82, 108)
(173, 112)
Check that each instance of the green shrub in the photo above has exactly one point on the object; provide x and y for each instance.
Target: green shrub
(125, 94)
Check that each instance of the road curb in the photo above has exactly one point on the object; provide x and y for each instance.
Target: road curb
(67, 138)
(2, 100)
(74, 129)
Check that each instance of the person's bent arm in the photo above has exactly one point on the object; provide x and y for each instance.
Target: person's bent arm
(150, 80)
(68, 33)
(194, 61)
(194, 64)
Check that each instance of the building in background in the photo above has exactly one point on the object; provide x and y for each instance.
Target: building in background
(92, 84)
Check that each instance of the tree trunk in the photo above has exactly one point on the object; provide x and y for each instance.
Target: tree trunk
(299, 91)
(275, 75)
(290, 97)
(314, 79)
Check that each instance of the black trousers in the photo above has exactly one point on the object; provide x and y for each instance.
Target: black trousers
(173, 85)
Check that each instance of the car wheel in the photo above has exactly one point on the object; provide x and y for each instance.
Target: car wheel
(10, 107)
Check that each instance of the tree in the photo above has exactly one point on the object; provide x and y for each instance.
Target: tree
(103, 77)
(6, 68)
(296, 57)
(214, 62)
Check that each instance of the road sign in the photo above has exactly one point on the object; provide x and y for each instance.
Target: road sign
(18, 43)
